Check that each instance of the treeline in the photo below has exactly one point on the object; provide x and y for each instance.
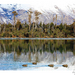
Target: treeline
(36, 29)
(45, 30)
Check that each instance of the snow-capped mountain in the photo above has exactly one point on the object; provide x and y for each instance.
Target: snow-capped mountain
(63, 16)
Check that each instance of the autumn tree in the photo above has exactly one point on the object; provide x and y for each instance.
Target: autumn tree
(14, 13)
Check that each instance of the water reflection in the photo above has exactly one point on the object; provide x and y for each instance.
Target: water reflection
(41, 51)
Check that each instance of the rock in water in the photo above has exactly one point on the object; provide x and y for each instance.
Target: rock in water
(25, 65)
(65, 65)
(51, 65)
(34, 63)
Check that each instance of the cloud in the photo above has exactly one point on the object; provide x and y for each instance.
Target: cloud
(40, 4)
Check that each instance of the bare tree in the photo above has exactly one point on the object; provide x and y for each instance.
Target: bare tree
(29, 18)
(56, 19)
(14, 13)
(60, 13)
(48, 17)
(0, 27)
(74, 28)
(4, 27)
(36, 17)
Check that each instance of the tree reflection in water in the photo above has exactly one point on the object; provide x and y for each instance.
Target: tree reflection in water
(39, 50)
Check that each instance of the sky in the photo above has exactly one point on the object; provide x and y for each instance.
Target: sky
(40, 4)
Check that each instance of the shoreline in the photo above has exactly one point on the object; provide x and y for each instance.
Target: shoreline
(37, 38)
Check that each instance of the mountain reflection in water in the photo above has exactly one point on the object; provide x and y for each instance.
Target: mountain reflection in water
(40, 51)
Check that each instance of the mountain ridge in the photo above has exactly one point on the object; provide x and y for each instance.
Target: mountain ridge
(45, 17)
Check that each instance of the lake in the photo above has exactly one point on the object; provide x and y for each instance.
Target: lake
(16, 52)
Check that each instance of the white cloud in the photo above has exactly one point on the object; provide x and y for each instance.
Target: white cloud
(40, 4)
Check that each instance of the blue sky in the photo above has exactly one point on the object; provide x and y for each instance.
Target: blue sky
(40, 4)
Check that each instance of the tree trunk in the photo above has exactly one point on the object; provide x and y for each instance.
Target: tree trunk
(0, 27)
(14, 53)
(14, 21)
(4, 47)
(29, 23)
(4, 28)
(36, 54)
(29, 54)
(0, 48)
(53, 23)
(74, 29)
(74, 48)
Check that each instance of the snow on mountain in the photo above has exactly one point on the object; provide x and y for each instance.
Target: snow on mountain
(63, 15)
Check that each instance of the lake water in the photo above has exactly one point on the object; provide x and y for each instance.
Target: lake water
(15, 53)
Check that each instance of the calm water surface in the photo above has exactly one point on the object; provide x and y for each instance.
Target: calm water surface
(15, 53)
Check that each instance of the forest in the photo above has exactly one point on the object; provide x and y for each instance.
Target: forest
(36, 29)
